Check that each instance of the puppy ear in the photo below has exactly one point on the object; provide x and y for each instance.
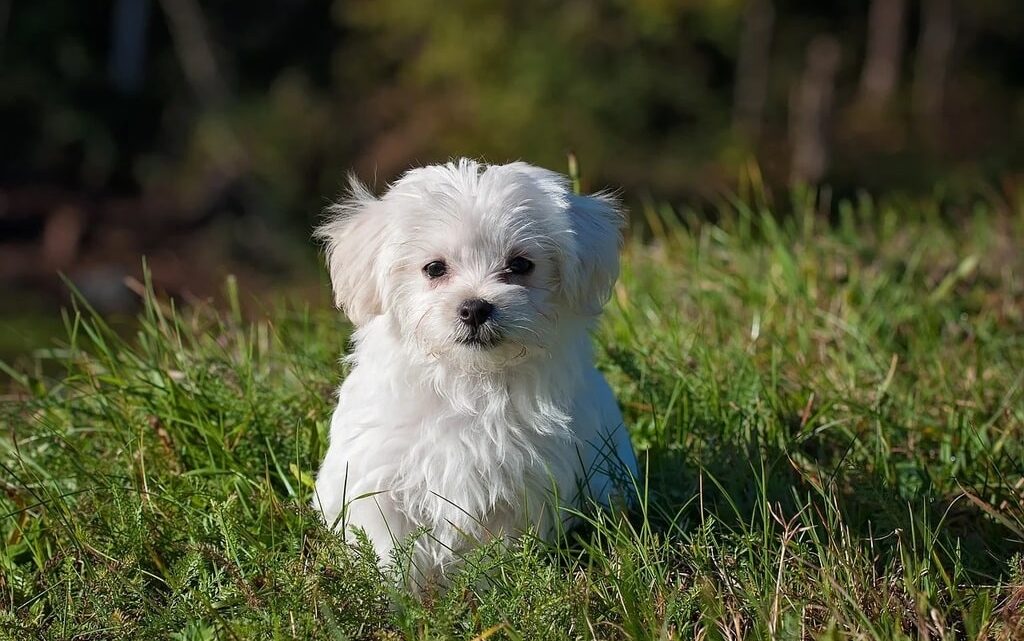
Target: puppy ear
(354, 236)
(591, 267)
(590, 248)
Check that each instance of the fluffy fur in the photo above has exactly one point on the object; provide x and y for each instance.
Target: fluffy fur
(457, 434)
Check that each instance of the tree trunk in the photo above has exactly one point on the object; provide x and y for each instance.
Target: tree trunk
(129, 27)
(195, 51)
(932, 64)
(883, 57)
(752, 67)
(811, 110)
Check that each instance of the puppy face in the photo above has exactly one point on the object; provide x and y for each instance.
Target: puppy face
(473, 263)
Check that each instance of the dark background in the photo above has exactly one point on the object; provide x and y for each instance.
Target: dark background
(207, 135)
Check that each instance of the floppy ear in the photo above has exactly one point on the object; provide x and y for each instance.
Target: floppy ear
(589, 263)
(354, 236)
(590, 269)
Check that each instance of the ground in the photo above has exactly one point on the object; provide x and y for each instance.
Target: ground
(828, 407)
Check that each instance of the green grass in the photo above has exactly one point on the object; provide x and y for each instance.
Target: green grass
(831, 416)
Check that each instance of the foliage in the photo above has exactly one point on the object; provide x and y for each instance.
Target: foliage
(644, 90)
(830, 415)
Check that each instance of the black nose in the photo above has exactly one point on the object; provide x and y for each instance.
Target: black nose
(475, 311)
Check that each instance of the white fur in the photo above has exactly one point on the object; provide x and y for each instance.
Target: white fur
(456, 443)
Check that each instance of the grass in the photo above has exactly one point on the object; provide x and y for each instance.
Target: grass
(831, 415)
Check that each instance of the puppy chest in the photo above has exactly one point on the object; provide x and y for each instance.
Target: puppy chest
(477, 469)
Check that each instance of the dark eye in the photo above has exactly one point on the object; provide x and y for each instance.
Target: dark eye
(435, 269)
(520, 265)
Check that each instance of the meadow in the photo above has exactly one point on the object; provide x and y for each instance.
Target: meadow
(827, 399)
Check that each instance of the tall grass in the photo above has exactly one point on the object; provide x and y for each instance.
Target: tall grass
(830, 413)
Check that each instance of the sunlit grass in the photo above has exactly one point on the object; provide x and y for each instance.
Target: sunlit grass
(830, 415)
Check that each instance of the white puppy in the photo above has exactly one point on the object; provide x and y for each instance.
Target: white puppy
(473, 409)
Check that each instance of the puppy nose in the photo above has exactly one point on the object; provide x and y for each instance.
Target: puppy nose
(475, 311)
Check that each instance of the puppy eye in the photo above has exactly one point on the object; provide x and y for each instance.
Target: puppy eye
(435, 269)
(520, 265)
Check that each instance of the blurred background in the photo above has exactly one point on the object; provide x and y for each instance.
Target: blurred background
(207, 135)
